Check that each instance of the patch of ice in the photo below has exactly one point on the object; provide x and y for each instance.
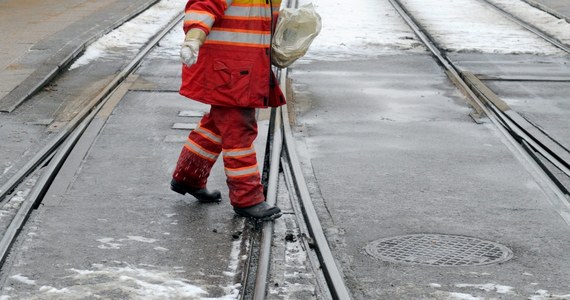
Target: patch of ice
(169, 46)
(141, 239)
(133, 35)
(107, 243)
(23, 279)
(161, 249)
(234, 258)
(51, 290)
(7, 169)
(139, 283)
(469, 25)
(435, 285)
(463, 296)
(488, 287)
(373, 28)
(546, 22)
(546, 295)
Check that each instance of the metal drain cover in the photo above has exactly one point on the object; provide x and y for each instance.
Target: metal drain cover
(439, 250)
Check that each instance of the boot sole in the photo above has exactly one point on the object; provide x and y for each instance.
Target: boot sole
(183, 191)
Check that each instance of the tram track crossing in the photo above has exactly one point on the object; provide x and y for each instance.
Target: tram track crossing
(54, 153)
(50, 159)
(281, 157)
(282, 163)
(525, 138)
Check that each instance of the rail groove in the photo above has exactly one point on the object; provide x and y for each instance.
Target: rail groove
(519, 135)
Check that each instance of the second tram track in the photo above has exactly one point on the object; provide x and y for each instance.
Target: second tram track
(522, 136)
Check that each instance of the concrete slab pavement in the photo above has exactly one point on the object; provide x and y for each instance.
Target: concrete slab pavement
(391, 151)
(113, 229)
(39, 37)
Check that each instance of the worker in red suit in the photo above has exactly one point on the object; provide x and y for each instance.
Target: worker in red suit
(226, 56)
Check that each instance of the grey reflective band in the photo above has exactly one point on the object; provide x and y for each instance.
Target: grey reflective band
(201, 18)
(248, 12)
(196, 149)
(239, 153)
(242, 172)
(239, 37)
(209, 135)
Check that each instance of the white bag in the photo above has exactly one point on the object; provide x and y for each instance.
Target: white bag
(295, 31)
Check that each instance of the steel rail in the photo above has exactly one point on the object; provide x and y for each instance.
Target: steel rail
(335, 281)
(546, 9)
(537, 139)
(260, 287)
(556, 196)
(547, 37)
(549, 148)
(65, 141)
(55, 142)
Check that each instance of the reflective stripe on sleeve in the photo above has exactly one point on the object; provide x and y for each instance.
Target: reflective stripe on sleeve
(238, 152)
(199, 17)
(195, 148)
(255, 12)
(239, 38)
(242, 171)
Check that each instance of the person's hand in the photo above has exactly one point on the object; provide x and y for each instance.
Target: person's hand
(189, 52)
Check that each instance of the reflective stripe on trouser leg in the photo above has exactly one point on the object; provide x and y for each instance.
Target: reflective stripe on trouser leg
(199, 154)
(238, 129)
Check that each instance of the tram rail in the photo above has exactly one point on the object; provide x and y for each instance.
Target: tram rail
(547, 37)
(54, 153)
(283, 157)
(51, 158)
(524, 138)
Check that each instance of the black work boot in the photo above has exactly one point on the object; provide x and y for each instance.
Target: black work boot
(261, 211)
(203, 195)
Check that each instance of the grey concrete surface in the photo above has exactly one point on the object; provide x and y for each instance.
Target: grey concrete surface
(114, 230)
(39, 38)
(391, 151)
(522, 81)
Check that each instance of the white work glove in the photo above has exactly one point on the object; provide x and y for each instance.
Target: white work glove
(189, 52)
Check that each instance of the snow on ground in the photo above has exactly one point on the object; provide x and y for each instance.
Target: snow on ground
(133, 35)
(169, 47)
(548, 23)
(359, 28)
(471, 25)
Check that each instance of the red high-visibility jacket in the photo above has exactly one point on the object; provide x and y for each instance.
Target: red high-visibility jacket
(233, 67)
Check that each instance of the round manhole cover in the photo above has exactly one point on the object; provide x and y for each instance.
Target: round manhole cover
(438, 250)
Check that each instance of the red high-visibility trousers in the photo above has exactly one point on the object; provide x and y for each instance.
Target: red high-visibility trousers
(230, 131)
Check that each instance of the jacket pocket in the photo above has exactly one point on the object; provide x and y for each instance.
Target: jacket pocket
(230, 81)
